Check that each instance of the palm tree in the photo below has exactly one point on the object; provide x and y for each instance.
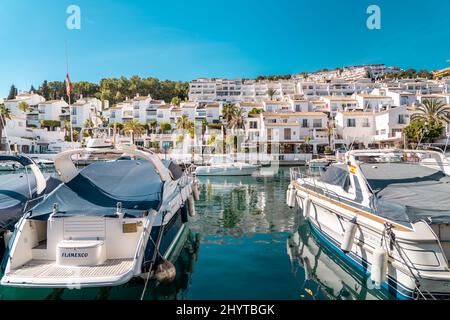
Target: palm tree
(183, 123)
(152, 125)
(228, 113)
(4, 114)
(237, 120)
(329, 129)
(271, 92)
(133, 127)
(432, 111)
(23, 106)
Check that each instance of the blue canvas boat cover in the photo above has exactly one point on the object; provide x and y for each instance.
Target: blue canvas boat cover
(407, 192)
(14, 193)
(98, 188)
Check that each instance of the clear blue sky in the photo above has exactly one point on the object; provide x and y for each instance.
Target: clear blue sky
(182, 40)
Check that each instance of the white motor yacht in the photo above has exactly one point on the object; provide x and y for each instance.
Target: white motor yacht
(226, 166)
(387, 212)
(105, 224)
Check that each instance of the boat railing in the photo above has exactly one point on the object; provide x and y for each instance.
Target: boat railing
(309, 177)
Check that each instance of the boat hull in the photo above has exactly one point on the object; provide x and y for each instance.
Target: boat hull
(225, 171)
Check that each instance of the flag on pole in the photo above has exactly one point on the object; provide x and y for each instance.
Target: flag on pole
(68, 85)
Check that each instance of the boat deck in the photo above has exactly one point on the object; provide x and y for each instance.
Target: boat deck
(49, 269)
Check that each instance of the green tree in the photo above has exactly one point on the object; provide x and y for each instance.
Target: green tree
(5, 114)
(44, 90)
(255, 111)
(50, 124)
(12, 92)
(183, 123)
(271, 92)
(165, 127)
(88, 123)
(133, 128)
(420, 130)
(176, 101)
(23, 106)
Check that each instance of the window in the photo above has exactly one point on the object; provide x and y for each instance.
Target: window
(304, 123)
(351, 123)
(253, 125)
(401, 119)
(317, 123)
(269, 134)
(287, 134)
(365, 122)
(272, 120)
(285, 120)
(74, 111)
(298, 108)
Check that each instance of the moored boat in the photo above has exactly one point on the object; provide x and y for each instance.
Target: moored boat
(387, 213)
(226, 166)
(20, 191)
(105, 224)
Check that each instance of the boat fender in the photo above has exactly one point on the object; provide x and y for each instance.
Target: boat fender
(300, 203)
(165, 272)
(291, 196)
(196, 190)
(379, 266)
(349, 235)
(307, 206)
(6, 237)
(191, 205)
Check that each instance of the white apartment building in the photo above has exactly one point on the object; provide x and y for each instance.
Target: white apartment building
(389, 125)
(373, 103)
(149, 112)
(164, 114)
(290, 130)
(188, 108)
(276, 106)
(205, 90)
(32, 99)
(48, 110)
(401, 98)
(81, 111)
(334, 104)
(364, 129)
(213, 112)
(355, 127)
(249, 106)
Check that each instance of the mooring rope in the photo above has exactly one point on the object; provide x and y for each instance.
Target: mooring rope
(393, 241)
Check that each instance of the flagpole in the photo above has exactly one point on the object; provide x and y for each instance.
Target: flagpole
(68, 95)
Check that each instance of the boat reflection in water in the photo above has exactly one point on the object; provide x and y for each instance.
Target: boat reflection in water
(184, 257)
(324, 272)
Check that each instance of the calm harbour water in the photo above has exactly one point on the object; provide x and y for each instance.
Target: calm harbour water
(244, 243)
